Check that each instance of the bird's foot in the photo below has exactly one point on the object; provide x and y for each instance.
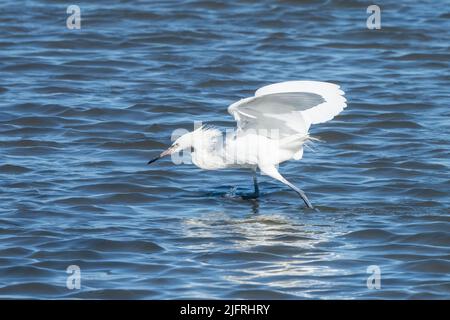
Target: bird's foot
(306, 200)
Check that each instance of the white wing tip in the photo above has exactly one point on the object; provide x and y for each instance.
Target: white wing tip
(297, 86)
(334, 98)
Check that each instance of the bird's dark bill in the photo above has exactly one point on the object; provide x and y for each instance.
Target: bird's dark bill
(154, 159)
(165, 153)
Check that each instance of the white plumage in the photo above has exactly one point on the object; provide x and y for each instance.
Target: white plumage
(304, 105)
(272, 127)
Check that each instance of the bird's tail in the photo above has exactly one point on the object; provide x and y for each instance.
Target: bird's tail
(310, 143)
(299, 139)
(297, 142)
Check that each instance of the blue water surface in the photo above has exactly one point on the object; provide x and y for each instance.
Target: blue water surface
(83, 110)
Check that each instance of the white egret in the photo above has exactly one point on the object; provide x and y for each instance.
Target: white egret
(272, 127)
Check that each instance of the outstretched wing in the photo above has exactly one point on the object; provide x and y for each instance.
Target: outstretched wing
(288, 108)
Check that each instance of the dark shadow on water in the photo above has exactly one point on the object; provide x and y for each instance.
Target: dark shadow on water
(242, 197)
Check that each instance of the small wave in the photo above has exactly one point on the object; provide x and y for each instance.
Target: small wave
(13, 169)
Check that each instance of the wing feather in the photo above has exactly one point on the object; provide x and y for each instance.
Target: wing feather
(290, 107)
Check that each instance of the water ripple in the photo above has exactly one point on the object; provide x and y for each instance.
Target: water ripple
(82, 111)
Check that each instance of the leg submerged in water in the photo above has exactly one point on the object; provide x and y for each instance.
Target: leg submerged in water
(255, 194)
(255, 184)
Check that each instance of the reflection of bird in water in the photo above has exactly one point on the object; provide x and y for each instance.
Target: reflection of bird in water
(272, 127)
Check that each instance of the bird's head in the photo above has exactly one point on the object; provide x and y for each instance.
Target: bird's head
(195, 139)
(182, 143)
(186, 141)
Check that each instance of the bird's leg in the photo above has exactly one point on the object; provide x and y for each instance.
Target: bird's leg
(255, 184)
(255, 194)
(271, 171)
(300, 193)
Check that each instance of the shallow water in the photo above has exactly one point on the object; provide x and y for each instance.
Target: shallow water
(82, 111)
